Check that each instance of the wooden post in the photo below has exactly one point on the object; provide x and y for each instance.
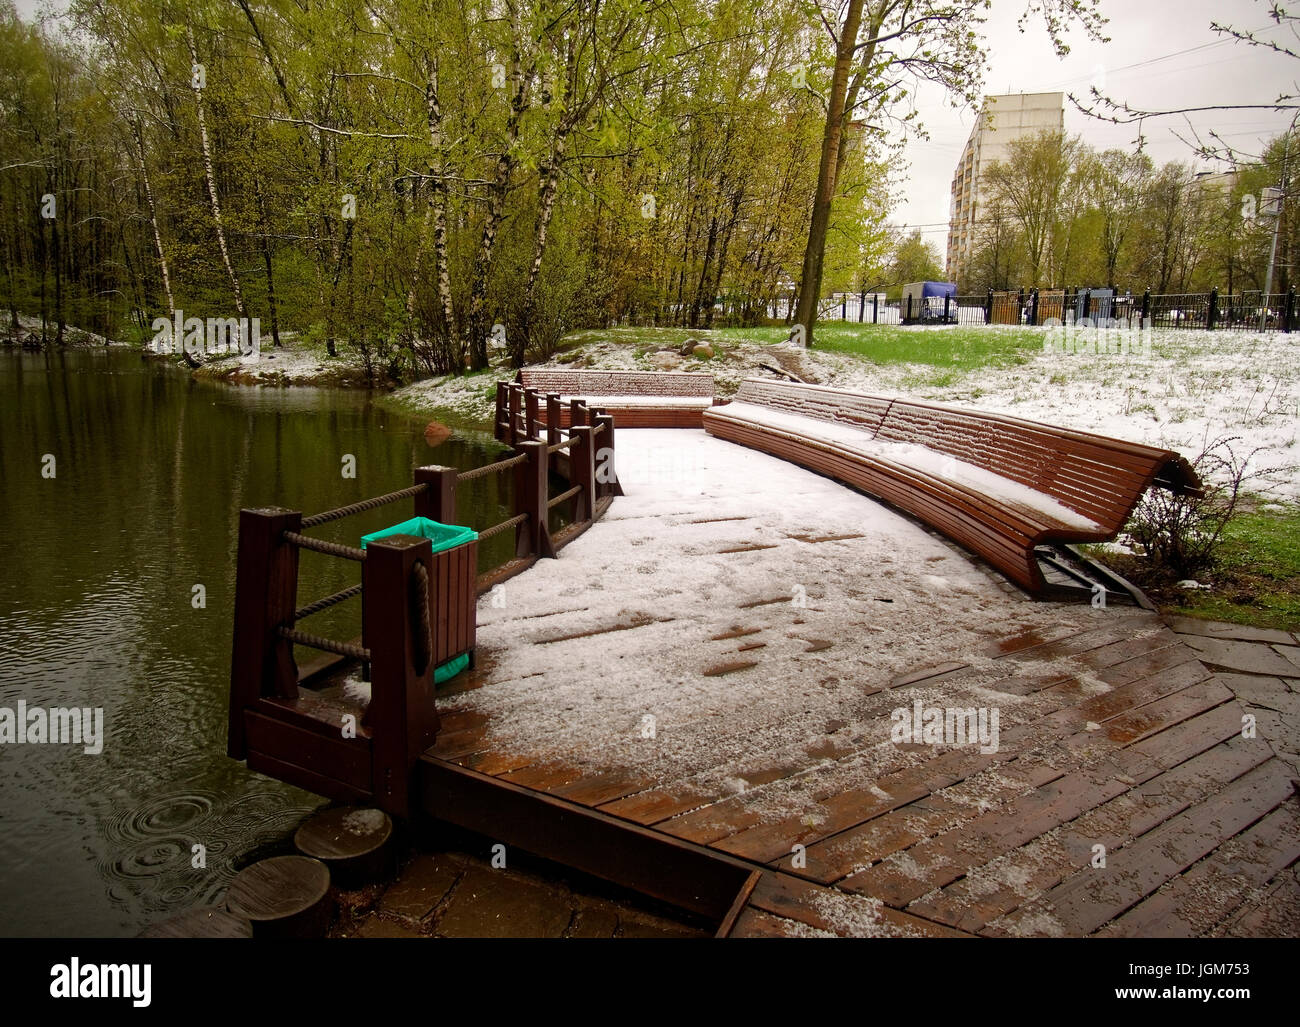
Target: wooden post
(401, 716)
(516, 394)
(946, 300)
(438, 501)
(530, 413)
(533, 537)
(908, 318)
(266, 591)
(607, 483)
(498, 427)
(875, 308)
(582, 471)
(552, 418)
(577, 413)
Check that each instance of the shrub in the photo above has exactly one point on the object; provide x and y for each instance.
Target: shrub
(1182, 533)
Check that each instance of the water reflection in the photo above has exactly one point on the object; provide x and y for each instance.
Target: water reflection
(96, 609)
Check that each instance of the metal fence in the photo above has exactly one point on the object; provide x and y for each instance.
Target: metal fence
(1242, 311)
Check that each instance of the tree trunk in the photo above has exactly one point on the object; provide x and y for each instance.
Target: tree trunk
(827, 172)
(212, 183)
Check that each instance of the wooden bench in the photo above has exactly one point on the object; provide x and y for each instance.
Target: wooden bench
(636, 399)
(997, 485)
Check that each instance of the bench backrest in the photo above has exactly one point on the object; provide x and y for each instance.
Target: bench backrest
(835, 406)
(1099, 477)
(617, 383)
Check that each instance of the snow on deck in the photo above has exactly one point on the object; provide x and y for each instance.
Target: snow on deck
(746, 605)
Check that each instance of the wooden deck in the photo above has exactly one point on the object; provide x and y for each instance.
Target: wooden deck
(1194, 818)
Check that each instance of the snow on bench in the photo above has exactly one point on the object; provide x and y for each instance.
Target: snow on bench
(636, 399)
(996, 485)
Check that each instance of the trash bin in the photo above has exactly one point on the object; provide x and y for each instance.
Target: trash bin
(443, 536)
(455, 636)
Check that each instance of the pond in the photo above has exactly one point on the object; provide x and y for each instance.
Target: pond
(121, 480)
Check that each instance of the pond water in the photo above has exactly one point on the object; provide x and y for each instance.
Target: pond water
(105, 545)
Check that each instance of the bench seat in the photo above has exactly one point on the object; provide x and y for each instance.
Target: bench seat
(999, 486)
(636, 399)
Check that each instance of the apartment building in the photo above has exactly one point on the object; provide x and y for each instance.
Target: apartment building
(1002, 120)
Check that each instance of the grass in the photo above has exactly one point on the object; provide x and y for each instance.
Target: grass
(1256, 580)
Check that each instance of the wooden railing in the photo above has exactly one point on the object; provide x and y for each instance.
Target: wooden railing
(418, 610)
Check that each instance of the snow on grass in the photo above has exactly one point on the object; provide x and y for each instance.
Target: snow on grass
(1190, 388)
(625, 624)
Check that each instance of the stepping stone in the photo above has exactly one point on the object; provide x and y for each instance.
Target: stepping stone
(1221, 629)
(1256, 689)
(355, 842)
(1246, 657)
(203, 922)
(284, 897)
(421, 885)
(500, 904)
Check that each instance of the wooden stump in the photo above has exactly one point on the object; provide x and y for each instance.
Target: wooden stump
(202, 922)
(355, 842)
(284, 897)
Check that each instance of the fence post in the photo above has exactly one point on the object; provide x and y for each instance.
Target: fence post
(988, 307)
(438, 501)
(1289, 312)
(1212, 314)
(875, 308)
(908, 317)
(533, 537)
(266, 589)
(1087, 304)
(530, 413)
(515, 396)
(401, 716)
(577, 413)
(498, 427)
(552, 418)
(946, 299)
(1033, 306)
(1146, 308)
(582, 471)
(607, 483)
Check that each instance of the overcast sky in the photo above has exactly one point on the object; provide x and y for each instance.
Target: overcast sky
(1146, 64)
(1162, 55)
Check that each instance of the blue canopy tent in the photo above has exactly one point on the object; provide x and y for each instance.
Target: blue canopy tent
(929, 303)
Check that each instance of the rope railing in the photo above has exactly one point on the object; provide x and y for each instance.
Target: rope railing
(496, 529)
(319, 545)
(363, 506)
(563, 496)
(328, 645)
(562, 445)
(496, 468)
(327, 602)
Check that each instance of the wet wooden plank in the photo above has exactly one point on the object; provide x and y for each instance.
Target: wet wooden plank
(1087, 900)
(937, 862)
(817, 906)
(1012, 878)
(1193, 903)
